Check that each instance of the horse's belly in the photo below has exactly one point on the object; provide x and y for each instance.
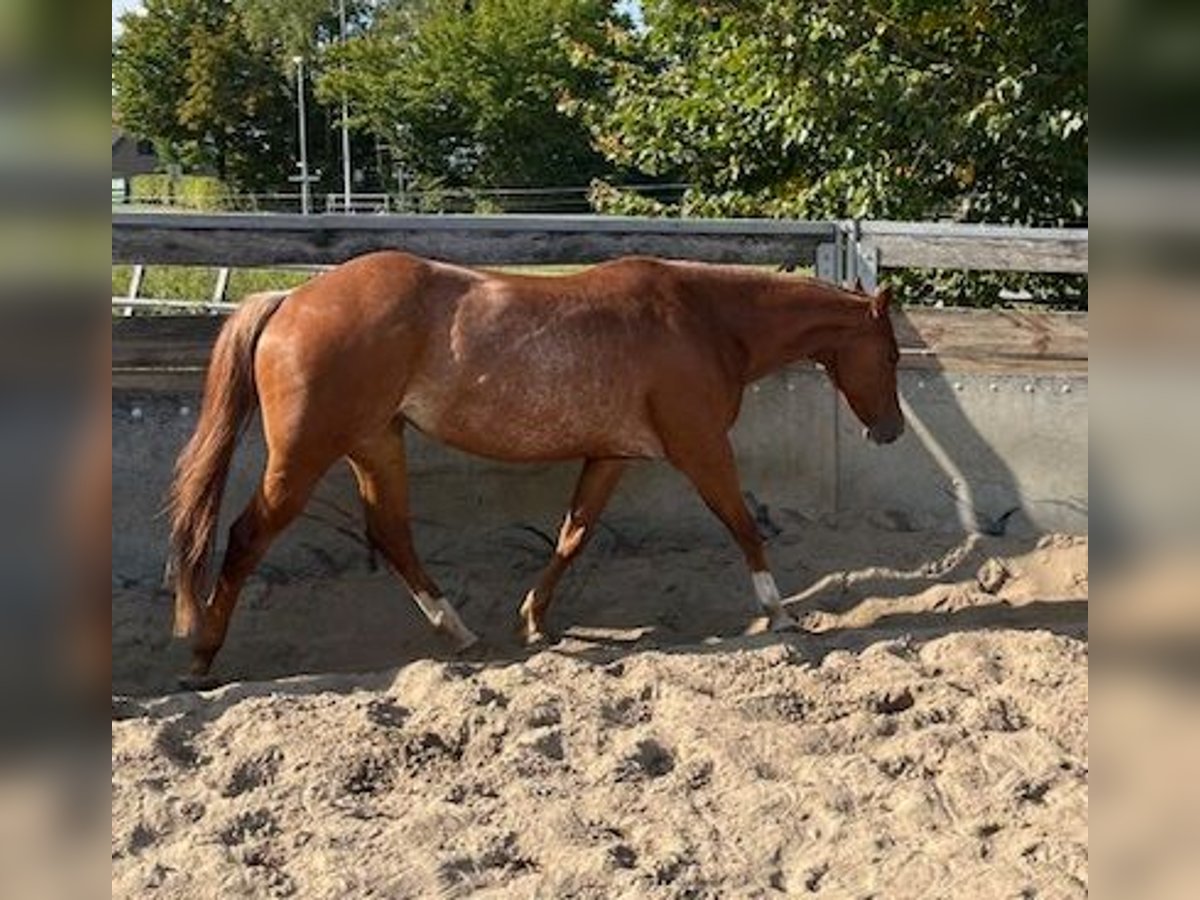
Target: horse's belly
(531, 425)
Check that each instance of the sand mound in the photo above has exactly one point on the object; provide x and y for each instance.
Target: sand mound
(927, 737)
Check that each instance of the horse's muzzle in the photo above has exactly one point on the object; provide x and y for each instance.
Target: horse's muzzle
(885, 432)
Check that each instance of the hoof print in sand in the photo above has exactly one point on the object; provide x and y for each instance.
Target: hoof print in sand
(174, 741)
(550, 745)
(1003, 716)
(141, 837)
(649, 760)
(622, 856)
(387, 713)
(371, 774)
(890, 702)
(497, 860)
(673, 870)
(252, 773)
(256, 824)
(544, 715)
(625, 711)
(428, 749)
(486, 697)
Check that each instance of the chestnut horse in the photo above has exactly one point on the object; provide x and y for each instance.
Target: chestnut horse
(633, 359)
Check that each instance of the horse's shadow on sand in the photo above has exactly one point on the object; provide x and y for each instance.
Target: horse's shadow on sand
(1067, 618)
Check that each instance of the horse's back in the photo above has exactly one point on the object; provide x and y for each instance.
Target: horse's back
(532, 368)
(529, 367)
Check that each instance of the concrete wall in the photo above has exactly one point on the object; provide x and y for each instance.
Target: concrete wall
(990, 452)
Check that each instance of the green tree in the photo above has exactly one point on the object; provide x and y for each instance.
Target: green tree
(189, 75)
(970, 109)
(475, 93)
(287, 28)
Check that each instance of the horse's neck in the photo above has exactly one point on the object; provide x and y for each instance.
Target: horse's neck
(779, 320)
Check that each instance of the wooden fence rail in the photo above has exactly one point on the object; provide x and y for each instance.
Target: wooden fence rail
(933, 245)
(840, 250)
(266, 240)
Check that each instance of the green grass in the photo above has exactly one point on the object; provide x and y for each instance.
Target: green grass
(561, 269)
(197, 282)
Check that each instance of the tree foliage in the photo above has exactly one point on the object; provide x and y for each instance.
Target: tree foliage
(213, 84)
(970, 109)
(474, 93)
(186, 76)
(288, 28)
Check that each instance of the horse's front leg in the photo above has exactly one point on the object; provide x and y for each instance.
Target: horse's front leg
(709, 465)
(595, 486)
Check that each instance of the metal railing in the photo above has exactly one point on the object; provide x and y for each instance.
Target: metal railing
(434, 200)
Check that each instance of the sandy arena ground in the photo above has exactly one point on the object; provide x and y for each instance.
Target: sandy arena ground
(926, 737)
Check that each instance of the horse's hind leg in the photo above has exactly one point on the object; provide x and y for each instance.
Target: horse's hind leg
(285, 489)
(595, 486)
(710, 466)
(380, 465)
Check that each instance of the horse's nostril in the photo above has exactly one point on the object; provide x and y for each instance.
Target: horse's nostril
(886, 432)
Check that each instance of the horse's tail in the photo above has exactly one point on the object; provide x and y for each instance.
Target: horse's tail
(194, 502)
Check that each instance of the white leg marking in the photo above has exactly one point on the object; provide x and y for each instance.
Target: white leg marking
(533, 634)
(441, 615)
(767, 592)
(770, 600)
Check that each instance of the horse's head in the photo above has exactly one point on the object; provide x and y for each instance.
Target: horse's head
(864, 369)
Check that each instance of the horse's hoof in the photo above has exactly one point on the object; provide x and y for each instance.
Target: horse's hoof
(446, 620)
(462, 637)
(124, 708)
(198, 682)
(536, 638)
(466, 641)
(785, 624)
(529, 633)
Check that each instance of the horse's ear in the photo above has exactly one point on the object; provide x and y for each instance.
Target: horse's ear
(882, 301)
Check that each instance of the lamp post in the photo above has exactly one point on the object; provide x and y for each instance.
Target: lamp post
(304, 201)
(345, 123)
